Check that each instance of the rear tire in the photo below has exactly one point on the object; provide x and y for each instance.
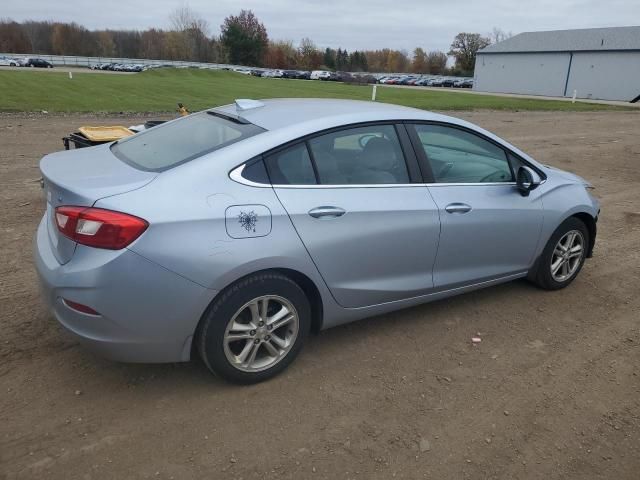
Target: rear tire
(563, 256)
(255, 328)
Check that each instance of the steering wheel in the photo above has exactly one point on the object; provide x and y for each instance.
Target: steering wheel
(445, 169)
(488, 177)
(363, 140)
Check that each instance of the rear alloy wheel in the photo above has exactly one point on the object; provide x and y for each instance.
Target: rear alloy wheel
(563, 255)
(255, 328)
(261, 333)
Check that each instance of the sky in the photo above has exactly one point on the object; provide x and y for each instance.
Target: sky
(354, 25)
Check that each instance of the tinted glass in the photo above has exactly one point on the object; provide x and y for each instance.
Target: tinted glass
(256, 172)
(170, 144)
(360, 156)
(457, 156)
(291, 167)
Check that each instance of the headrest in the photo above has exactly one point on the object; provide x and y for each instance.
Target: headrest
(379, 154)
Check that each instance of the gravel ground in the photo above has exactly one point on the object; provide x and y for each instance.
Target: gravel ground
(551, 392)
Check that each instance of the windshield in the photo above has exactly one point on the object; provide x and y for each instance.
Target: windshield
(168, 145)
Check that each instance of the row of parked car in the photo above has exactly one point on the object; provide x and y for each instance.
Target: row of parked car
(416, 80)
(427, 81)
(120, 67)
(310, 75)
(24, 62)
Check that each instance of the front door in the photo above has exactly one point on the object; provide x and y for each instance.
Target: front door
(489, 229)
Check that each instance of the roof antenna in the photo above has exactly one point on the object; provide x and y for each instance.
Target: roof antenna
(247, 104)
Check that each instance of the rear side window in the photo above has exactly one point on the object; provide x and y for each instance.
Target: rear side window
(360, 156)
(168, 145)
(291, 166)
(458, 156)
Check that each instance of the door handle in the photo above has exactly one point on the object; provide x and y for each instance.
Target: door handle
(458, 208)
(331, 212)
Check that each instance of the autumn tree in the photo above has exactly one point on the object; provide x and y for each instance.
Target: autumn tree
(39, 34)
(72, 39)
(191, 40)
(13, 38)
(310, 57)
(281, 54)
(105, 46)
(245, 38)
(419, 63)
(464, 49)
(437, 62)
(153, 44)
(499, 35)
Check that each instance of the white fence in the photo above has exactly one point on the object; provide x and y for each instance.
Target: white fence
(72, 61)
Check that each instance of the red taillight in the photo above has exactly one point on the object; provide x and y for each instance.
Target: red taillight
(99, 228)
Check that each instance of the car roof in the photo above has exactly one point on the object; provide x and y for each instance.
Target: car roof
(290, 119)
(275, 114)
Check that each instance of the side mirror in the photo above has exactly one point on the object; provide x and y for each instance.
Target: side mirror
(527, 180)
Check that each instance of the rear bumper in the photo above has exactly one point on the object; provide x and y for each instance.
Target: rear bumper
(147, 313)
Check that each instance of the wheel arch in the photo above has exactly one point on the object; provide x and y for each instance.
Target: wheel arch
(311, 291)
(588, 220)
(590, 223)
(303, 281)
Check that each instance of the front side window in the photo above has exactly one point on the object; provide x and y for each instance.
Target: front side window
(166, 146)
(458, 156)
(359, 156)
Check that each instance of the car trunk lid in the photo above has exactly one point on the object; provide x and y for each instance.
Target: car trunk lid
(81, 177)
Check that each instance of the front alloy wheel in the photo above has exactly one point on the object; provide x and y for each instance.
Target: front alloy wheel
(563, 256)
(567, 256)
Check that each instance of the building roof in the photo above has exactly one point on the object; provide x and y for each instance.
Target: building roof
(586, 39)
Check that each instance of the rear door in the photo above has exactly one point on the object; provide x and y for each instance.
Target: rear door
(370, 227)
(488, 229)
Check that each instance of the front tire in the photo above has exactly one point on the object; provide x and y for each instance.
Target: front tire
(255, 328)
(563, 256)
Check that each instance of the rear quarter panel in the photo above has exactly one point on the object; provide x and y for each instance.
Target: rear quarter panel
(188, 211)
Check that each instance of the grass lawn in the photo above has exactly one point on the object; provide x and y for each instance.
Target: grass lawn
(161, 90)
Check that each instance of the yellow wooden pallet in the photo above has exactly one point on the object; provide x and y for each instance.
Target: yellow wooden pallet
(105, 134)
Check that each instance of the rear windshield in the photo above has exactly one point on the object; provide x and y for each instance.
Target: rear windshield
(168, 145)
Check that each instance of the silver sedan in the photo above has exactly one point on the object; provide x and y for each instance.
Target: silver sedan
(234, 232)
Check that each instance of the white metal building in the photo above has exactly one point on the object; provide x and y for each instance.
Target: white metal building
(599, 63)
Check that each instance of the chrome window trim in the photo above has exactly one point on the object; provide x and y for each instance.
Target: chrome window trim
(236, 176)
(398, 185)
(472, 184)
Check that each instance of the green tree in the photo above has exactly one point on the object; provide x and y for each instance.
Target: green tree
(329, 59)
(342, 59)
(245, 38)
(464, 49)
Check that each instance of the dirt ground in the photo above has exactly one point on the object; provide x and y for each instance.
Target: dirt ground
(552, 392)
